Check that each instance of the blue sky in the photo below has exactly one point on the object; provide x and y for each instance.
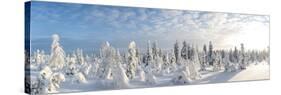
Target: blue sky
(87, 26)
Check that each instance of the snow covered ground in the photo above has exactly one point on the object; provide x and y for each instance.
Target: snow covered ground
(255, 71)
(260, 71)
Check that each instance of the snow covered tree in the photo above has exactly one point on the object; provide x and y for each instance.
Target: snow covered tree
(48, 81)
(190, 52)
(120, 79)
(184, 50)
(172, 60)
(210, 54)
(57, 60)
(71, 65)
(149, 56)
(158, 65)
(150, 78)
(217, 61)
(154, 48)
(204, 58)
(196, 61)
(166, 63)
(230, 62)
(80, 57)
(242, 57)
(177, 52)
(132, 60)
(235, 55)
(108, 58)
(50, 76)
(38, 57)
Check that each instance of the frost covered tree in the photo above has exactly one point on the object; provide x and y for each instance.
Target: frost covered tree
(177, 52)
(108, 58)
(184, 50)
(217, 61)
(150, 79)
(242, 57)
(141, 74)
(39, 57)
(148, 60)
(82, 65)
(48, 81)
(41, 85)
(193, 69)
(157, 59)
(71, 69)
(57, 60)
(120, 79)
(154, 48)
(230, 62)
(235, 55)
(132, 60)
(80, 57)
(204, 58)
(196, 62)
(50, 77)
(190, 52)
(172, 62)
(210, 54)
(166, 63)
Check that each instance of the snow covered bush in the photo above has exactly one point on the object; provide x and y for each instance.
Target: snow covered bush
(49, 82)
(45, 73)
(55, 81)
(181, 78)
(80, 78)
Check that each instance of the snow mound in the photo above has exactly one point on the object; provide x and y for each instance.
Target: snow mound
(45, 73)
(150, 79)
(181, 78)
(80, 78)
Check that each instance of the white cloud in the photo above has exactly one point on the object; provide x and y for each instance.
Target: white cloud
(224, 29)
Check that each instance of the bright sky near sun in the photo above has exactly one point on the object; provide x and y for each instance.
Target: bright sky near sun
(87, 26)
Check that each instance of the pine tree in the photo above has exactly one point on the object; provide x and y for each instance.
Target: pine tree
(184, 50)
(210, 54)
(177, 52)
(57, 60)
(235, 55)
(189, 52)
(120, 79)
(132, 60)
(154, 50)
(149, 55)
(204, 58)
(108, 58)
(242, 57)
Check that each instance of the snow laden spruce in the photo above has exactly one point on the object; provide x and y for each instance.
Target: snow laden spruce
(183, 64)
